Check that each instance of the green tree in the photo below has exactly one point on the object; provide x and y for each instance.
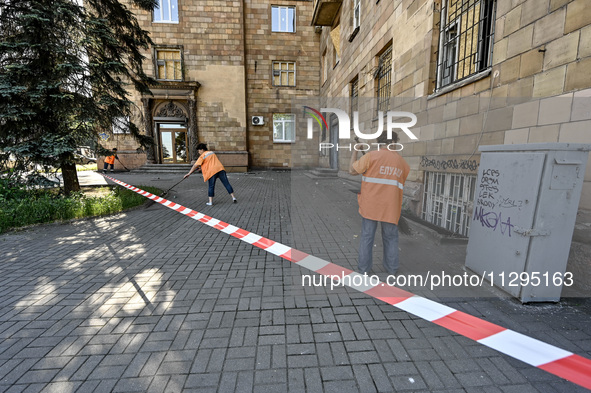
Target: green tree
(66, 69)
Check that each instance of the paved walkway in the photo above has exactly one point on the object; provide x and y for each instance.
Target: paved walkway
(150, 300)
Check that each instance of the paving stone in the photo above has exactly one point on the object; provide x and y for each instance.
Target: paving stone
(160, 303)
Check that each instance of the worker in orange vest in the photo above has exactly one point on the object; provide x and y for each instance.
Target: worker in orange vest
(380, 200)
(212, 169)
(110, 160)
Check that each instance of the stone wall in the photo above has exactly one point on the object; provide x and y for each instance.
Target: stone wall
(538, 88)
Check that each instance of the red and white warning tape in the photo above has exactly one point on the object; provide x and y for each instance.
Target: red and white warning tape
(557, 361)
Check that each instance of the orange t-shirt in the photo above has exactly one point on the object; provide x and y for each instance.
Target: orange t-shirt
(210, 165)
(110, 160)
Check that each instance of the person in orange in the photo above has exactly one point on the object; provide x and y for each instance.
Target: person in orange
(212, 169)
(110, 161)
(380, 200)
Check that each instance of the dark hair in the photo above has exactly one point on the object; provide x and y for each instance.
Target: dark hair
(114, 149)
(202, 146)
(383, 138)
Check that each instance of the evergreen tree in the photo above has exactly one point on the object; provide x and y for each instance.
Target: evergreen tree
(66, 68)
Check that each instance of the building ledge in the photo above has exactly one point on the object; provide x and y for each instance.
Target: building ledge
(325, 12)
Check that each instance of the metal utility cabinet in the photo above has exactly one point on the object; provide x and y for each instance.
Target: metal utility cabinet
(525, 206)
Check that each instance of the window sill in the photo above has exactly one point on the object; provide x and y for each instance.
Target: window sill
(354, 34)
(284, 142)
(462, 83)
(165, 22)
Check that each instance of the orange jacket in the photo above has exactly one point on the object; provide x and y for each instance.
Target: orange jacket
(382, 186)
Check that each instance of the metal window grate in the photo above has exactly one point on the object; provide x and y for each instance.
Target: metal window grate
(384, 74)
(465, 39)
(354, 96)
(448, 200)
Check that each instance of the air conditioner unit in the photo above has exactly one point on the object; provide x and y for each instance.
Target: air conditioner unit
(258, 120)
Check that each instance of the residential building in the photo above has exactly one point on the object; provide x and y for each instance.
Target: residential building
(227, 72)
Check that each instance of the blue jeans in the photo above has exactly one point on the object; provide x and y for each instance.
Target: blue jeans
(225, 182)
(390, 240)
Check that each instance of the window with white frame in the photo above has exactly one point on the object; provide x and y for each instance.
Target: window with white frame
(284, 73)
(169, 65)
(167, 11)
(466, 35)
(282, 19)
(283, 127)
(356, 13)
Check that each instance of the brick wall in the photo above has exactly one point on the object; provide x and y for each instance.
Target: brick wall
(263, 47)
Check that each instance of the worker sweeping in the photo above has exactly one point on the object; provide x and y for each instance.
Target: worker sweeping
(110, 160)
(212, 169)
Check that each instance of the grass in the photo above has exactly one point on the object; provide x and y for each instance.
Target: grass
(43, 206)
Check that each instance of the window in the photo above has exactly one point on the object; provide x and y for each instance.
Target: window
(356, 13)
(466, 35)
(335, 58)
(169, 65)
(121, 125)
(284, 73)
(324, 67)
(384, 77)
(354, 97)
(447, 200)
(167, 11)
(283, 19)
(283, 128)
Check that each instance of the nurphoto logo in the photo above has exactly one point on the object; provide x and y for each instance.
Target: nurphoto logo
(392, 123)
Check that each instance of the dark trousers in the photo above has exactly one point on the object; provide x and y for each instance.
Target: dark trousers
(224, 178)
(107, 165)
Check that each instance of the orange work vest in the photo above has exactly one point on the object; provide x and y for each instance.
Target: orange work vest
(110, 160)
(382, 187)
(210, 164)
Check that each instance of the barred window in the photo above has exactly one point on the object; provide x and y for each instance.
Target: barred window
(169, 65)
(284, 73)
(384, 76)
(354, 96)
(447, 200)
(465, 39)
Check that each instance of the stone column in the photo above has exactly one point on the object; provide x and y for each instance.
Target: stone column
(151, 154)
(193, 136)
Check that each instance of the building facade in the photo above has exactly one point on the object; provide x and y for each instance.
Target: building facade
(475, 72)
(227, 72)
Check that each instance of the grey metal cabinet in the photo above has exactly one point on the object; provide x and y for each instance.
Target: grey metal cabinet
(524, 212)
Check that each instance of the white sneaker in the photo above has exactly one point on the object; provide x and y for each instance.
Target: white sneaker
(209, 204)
